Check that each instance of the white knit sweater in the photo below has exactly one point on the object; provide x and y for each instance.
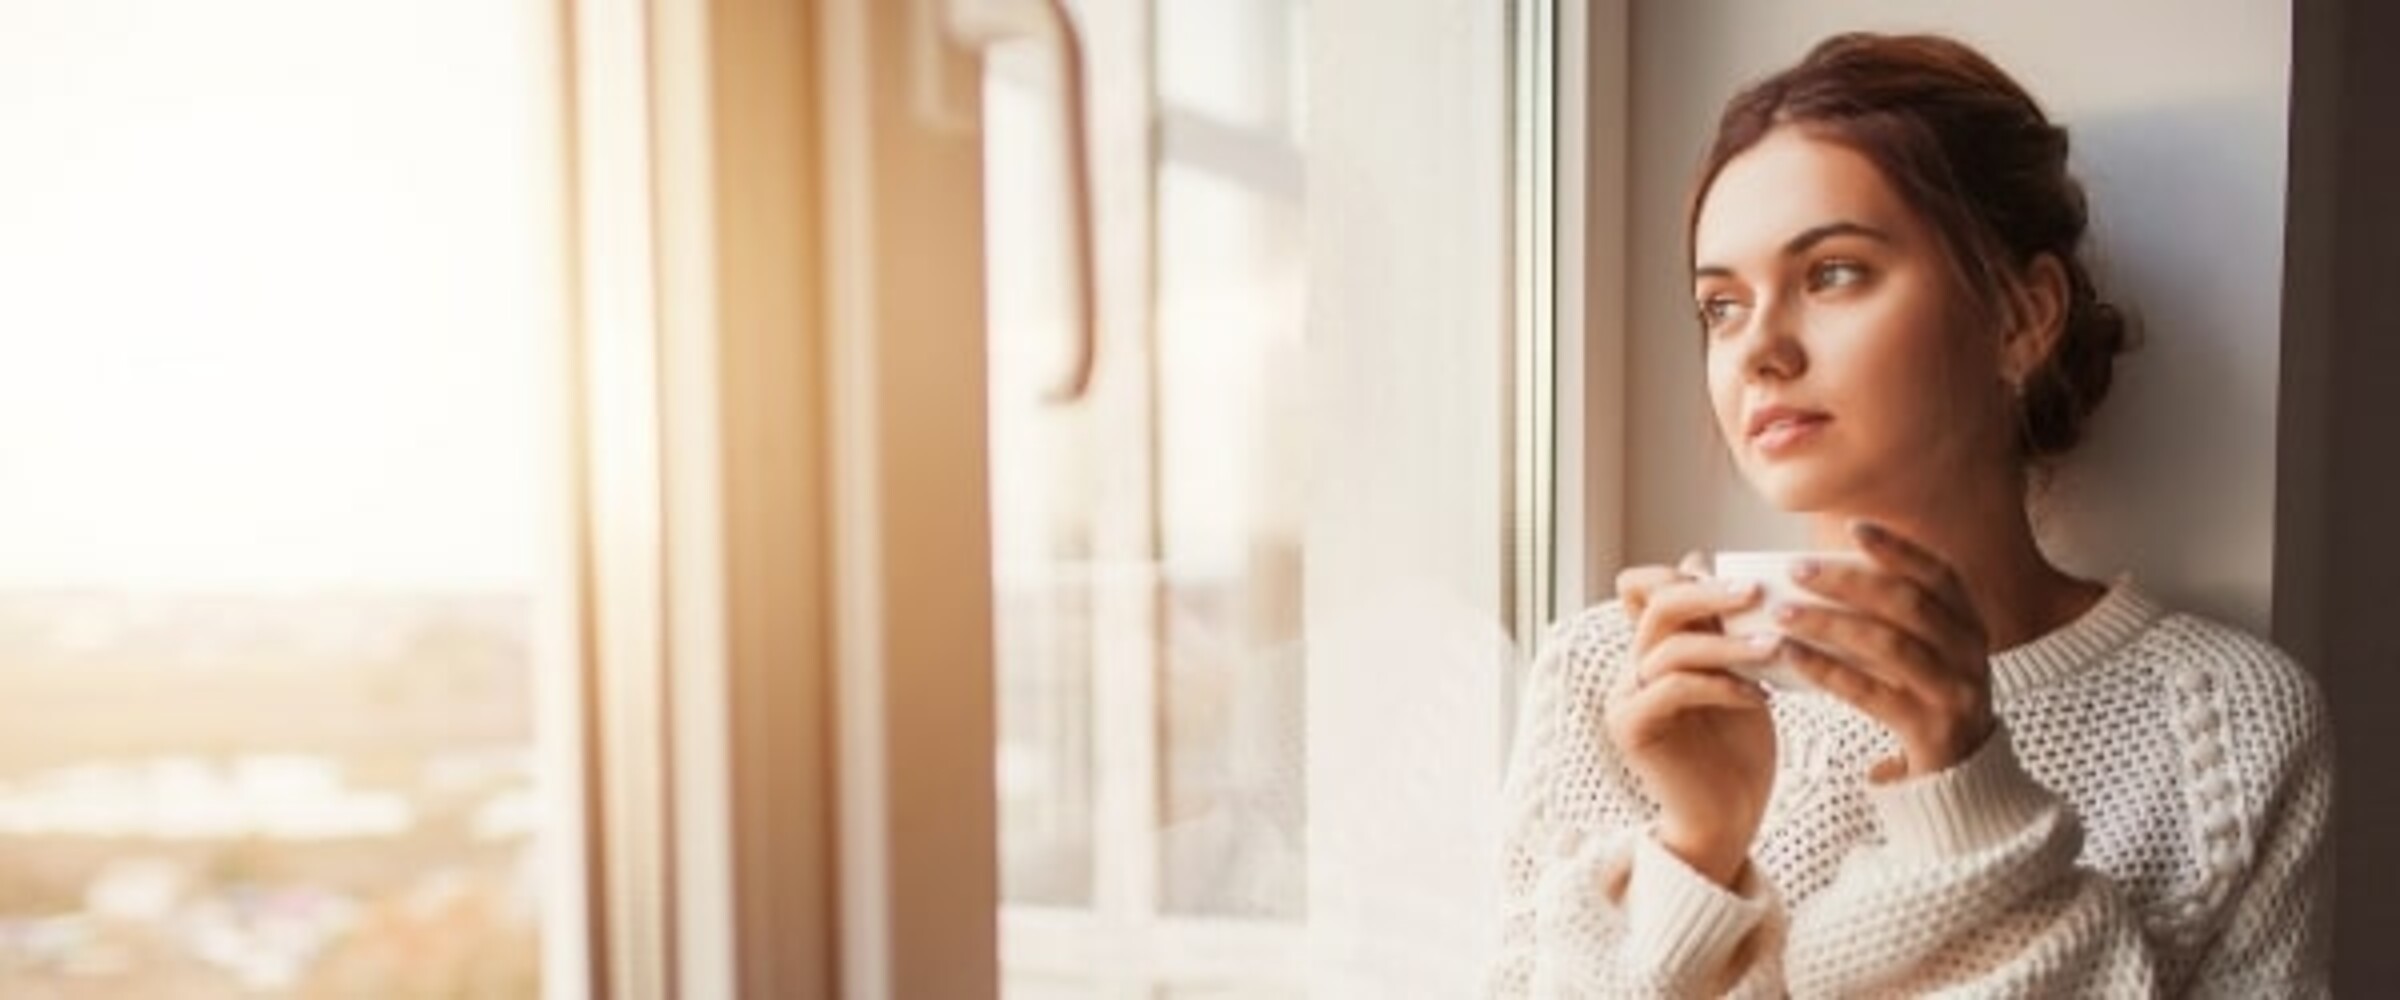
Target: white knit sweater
(2149, 820)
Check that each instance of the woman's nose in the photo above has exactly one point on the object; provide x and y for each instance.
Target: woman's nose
(1772, 347)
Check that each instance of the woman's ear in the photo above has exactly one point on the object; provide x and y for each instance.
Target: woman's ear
(2038, 320)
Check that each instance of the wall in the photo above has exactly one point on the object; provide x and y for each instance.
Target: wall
(2337, 546)
(2181, 146)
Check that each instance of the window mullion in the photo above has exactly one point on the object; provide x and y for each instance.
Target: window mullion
(1128, 648)
(624, 601)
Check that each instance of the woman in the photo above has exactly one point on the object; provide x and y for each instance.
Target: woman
(2007, 780)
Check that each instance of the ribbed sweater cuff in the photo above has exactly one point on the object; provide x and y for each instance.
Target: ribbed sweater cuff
(1680, 922)
(1973, 805)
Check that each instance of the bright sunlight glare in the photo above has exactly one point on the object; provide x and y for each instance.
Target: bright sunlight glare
(273, 298)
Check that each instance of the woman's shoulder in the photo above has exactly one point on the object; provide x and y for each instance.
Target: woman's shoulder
(2207, 652)
(2266, 705)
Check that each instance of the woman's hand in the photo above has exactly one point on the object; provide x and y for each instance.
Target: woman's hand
(1699, 738)
(1906, 647)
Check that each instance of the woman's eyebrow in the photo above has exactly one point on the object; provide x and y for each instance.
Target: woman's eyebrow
(1799, 244)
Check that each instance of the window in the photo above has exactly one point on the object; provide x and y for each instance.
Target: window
(305, 554)
(1257, 588)
(1148, 535)
(280, 290)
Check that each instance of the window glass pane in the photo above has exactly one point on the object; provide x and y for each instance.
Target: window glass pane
(1147, 536)
(1232, 456)
(1042, 495)
(276, 282)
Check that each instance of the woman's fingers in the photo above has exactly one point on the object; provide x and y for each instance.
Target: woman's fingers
(1896, 599)
(1635, 584)
(1838, 678)
(1702, 651)
(1653, 706)
(1863, 642)
(1689, 605)
(1901, 642)
(1939, 711)
(1915, 563)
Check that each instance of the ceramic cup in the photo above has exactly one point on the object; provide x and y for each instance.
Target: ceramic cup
(1772, 570)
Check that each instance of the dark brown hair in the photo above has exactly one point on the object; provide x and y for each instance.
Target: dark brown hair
(1968, 148)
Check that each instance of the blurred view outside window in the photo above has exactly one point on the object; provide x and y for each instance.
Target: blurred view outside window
(277, 280)
(1148, 536)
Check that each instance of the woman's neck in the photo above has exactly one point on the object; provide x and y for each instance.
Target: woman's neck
(2017, 592)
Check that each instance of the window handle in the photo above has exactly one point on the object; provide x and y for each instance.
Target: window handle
(979, 24)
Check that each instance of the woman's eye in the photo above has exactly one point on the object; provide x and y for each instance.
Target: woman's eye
(1836, 274)
(1717, 310)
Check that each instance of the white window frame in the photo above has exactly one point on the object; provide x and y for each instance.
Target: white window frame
(771, 512)
(1594, 87)
(616, 566)
(752, 555)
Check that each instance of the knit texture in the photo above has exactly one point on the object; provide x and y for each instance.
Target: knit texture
(2150, 819)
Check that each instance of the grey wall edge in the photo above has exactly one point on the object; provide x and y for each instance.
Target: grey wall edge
(2337, 522)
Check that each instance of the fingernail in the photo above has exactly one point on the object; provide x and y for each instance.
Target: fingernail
(1741, 588)
(1764, 641)
(1786, 612)
(1804, 569)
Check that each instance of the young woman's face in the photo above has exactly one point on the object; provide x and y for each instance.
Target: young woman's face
(1844, 361)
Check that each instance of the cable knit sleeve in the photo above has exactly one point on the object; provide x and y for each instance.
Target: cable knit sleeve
(1591, 905)
(2202, 755)
(1977, 885)
(2269, 852)
(1976, 888)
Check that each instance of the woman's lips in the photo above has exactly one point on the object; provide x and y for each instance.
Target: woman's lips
(1786, 432)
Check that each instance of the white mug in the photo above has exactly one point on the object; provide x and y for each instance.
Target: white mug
(1772, 570)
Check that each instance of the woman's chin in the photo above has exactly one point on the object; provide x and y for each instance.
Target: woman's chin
(1793, 488)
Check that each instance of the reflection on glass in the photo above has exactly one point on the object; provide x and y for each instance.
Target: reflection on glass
(278, 276)
(1232, 455)
(1041, 498)
(1148, 537)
